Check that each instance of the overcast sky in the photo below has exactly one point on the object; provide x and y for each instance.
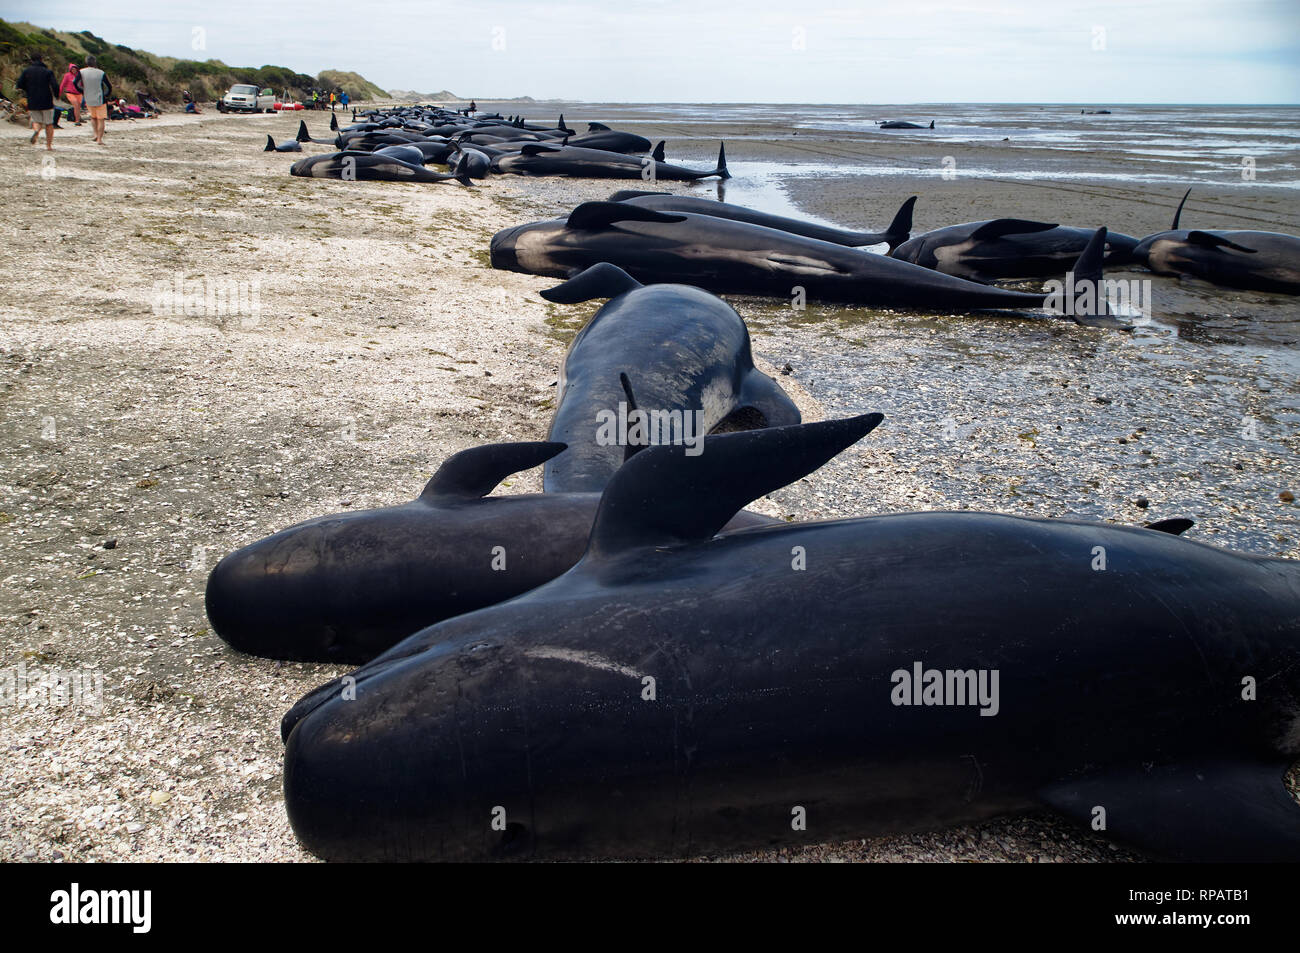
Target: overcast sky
(869, 51)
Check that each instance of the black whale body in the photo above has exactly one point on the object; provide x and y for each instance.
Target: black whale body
(677, 693)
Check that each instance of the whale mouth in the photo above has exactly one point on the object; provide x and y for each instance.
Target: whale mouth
(501, 252)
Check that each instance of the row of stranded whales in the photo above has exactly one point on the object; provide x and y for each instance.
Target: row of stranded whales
(685, 692)
(347, 586)
(472, 149)
(1251, 260)
(729, 256)
(552, 159)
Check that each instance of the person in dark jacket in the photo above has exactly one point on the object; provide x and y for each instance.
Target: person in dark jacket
(37, 82)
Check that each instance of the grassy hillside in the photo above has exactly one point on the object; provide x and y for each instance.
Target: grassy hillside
(162, 76)
(355, 86)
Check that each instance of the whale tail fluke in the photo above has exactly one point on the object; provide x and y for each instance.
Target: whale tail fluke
(900, 229)
(303, 134)
(721, 171)
(931, 123)
(270, 144)
(334, 123)
(658, 153)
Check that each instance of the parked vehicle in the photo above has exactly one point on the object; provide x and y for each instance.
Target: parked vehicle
(244, 97)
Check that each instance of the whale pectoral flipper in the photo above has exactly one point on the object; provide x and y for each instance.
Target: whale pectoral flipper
(663, 496)
(1207, 240)
(1176, 526)
(1215, 811)
(476, 472)
(601, 280)
(594, 215)
(622, 195)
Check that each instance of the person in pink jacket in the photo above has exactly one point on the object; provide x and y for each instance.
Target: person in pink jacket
(70, 89)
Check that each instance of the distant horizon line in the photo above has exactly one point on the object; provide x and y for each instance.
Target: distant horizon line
(737, 102)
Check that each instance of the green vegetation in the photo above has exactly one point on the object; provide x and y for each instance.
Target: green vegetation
(161, 76)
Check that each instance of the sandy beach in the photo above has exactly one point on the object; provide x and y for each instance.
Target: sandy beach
(140, 443)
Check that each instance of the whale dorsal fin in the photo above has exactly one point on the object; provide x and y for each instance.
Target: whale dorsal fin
(1010, 226)
(537, 148)
(632, 448)
(475, 472)
(663, 497)
(270, 144)
(601, 280)
(593, 215)
(1210, 240)
(658, 153)
(1178, 213)
(597, 127)
(1176, 526)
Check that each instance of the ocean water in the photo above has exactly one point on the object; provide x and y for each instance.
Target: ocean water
(1205, 144)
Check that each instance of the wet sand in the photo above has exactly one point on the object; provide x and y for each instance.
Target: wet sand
(384, 343)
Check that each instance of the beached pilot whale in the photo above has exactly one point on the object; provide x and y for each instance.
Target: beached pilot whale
(735, 257)
(354, 165)
(469, 162)
(680, 692)
(1257, 261)
(894, 235)
(900, 124)
(548, 159)
(291, 145)
(612, 141)
(1008, 248)
(345, 587)
(688, 352)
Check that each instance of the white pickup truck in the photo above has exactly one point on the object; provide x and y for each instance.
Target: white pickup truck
(246, 98)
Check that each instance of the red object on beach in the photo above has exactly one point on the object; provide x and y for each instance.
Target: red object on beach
(284, 106)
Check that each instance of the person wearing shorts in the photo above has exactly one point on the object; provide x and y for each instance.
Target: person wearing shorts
(96, 88)
(37, 82)
(70, 89)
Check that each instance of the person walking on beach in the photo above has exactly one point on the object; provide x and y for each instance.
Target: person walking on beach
(70, 89)
(37, 82)
(96, 88)
(345, 99)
